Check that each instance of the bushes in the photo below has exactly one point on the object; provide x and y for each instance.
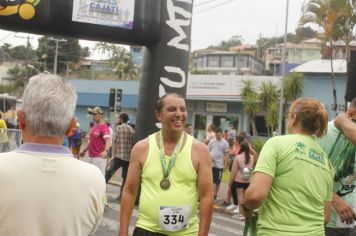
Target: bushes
(257, 144)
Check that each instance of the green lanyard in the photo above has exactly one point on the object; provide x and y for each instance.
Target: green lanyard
(166, 170)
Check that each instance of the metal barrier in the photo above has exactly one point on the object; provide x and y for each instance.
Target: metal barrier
(10, 139)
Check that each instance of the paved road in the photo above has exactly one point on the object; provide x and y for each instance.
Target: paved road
(222, 223)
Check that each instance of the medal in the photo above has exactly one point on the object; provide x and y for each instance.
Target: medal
(165, 184)
(166, 168)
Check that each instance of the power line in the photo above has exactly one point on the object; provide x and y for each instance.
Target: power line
(203, 3)
(207, 9)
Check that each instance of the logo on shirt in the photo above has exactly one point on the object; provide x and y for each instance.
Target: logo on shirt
(346, 189)
(300, 147)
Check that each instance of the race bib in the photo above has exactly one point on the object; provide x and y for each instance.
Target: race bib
(174, 218)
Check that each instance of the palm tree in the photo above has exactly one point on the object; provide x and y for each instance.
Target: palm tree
(322, 13)
(250, 103)
(269, 97)
(271, 118)
(293, 86)
(345, 12)
(120, 59)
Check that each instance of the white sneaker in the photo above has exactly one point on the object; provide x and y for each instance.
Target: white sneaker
(236, 211)
(231, 207)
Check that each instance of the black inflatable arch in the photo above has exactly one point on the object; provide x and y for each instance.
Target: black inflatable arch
(163, 27)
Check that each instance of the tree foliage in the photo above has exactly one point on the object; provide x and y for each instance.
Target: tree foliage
(225, 45)
(250, 103)
(336, 19)
(20, 52)
(120, 59)
(293, 86)
(269, 97)
(69, 52)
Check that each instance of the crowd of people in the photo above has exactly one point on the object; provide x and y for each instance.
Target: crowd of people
(302, 183)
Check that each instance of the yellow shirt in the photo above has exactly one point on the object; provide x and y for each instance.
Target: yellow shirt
(182, 194)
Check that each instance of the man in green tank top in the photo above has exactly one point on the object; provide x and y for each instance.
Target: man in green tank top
(175, 170)
(339, 145)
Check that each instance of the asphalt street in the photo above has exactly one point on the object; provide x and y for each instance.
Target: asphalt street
(222, 223)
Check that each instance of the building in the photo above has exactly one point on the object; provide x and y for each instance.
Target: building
(296, 54)
(215, 98)
(226, 63)
(317, 82)
(93, 93)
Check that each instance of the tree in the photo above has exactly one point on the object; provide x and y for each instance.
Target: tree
(6, 47)
(269, 97)
(293, 86)
(271, 117)
(303, 33)
(120, 59)
(69, 52)
(327, 14)
(84, 52)
(225, 45)
(250, 103)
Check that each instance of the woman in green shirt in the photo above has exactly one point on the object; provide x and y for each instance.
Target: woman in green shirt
(293, 179)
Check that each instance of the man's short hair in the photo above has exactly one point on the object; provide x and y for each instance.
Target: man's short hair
(218, 130)
(49, 104)
(159, 102)
(124, 117)
(187, 125)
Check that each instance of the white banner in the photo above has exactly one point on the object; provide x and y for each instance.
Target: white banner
(223, 87)
(114, 13)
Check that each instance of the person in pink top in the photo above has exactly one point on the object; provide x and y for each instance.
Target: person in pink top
(241, 172)
(99, 140)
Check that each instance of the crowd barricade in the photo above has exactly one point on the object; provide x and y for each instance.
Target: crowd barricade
(10, 139)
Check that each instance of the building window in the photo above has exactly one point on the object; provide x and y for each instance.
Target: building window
(213, 61)
(227, 61)
(243, 61)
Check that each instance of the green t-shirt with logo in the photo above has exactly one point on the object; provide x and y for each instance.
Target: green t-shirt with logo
(302, 182)
(345, 187)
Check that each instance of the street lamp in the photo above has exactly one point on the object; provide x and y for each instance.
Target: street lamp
(281, 99)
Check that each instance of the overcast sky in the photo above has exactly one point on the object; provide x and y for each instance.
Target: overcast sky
(246, 18)
(217, 20)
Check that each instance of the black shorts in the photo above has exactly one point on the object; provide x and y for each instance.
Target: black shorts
(217, 175)
(242, 185)
(143, 232)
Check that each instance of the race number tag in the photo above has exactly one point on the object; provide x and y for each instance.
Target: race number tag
(174, 218)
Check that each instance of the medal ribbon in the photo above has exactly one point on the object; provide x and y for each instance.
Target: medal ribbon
(166, 170)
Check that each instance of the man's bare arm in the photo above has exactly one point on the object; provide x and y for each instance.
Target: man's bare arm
(205, 187)
(132, 183)
(343, 209)
(348, 127)
(257, 191)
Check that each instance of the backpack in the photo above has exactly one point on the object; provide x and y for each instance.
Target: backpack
(246, 173)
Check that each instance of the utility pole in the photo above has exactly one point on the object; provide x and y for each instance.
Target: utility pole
(55, 64)
(281, 101)
(27, 58)
(259, 48)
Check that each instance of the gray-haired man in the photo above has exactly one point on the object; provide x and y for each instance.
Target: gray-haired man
(44, 189)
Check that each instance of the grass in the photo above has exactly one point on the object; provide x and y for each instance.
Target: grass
(226, 176)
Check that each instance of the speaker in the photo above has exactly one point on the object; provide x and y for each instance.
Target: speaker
(351, 79)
